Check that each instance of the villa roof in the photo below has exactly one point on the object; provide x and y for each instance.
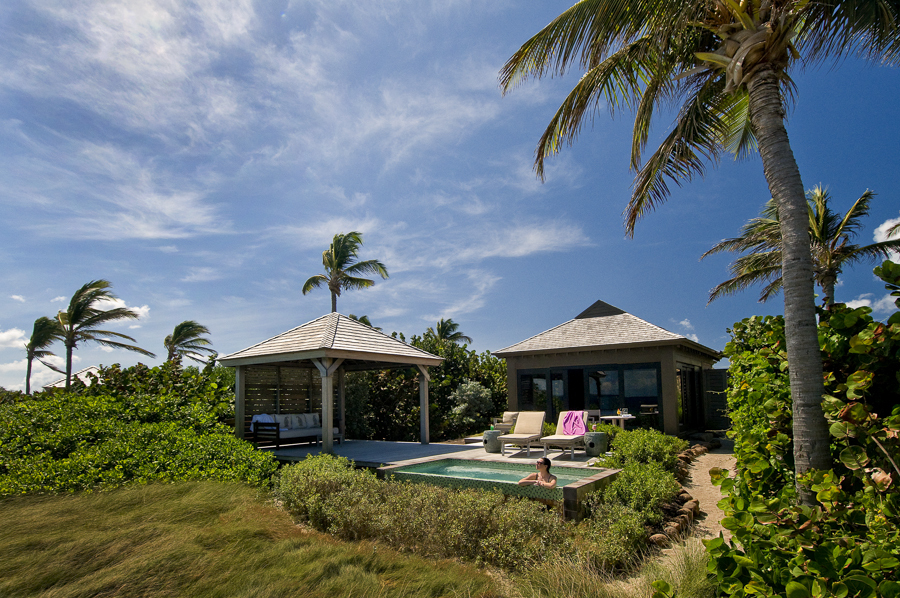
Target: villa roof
(333, 335)
(80, 375)
(600, 327)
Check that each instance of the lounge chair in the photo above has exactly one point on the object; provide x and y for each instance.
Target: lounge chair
(565, 441)
(505, 423)
(528, 429)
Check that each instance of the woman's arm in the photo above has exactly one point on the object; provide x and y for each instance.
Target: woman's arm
(529, 480)
(549, 485)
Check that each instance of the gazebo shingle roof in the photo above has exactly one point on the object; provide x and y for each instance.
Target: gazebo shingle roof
(601, 326)
(333, 334)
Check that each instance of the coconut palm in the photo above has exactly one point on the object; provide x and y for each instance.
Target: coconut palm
(363, 320)
(45, 333)
(448, 330)
(187, 341)
(342, 271)
(78, 324)
(830, 236)
(727, 64)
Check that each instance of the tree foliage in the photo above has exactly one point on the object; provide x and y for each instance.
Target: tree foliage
(187, 340)
(849, 543)
(342, 270)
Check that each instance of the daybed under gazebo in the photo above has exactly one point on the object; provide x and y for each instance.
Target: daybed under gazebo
(283, 373)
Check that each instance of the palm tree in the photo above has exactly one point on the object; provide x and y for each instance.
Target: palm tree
(341, 268)
(187, 341)
(726, 63)
(45, 333)
(363, 320)
(448, 330)
(830, 237)
(80, 321)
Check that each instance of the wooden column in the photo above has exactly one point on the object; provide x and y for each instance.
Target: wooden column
(240, 380)
(326, 368)
(423, 403)
(341, 403)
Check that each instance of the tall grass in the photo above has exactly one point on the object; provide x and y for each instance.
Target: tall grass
(199, 539)
(683, 567)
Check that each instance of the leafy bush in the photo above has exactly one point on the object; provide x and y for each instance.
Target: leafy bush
(647, 446)
(481, 526)
(849, 544)
(644, 488)
(611, 430)
(473, 403)
(613, 536)
(117, 431)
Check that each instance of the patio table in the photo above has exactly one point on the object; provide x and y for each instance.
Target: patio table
(619, 419)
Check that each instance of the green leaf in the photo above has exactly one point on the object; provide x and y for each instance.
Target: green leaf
(854, 457)
(796, 590)
(889, 589)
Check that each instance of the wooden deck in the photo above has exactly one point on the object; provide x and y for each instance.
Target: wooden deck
(378, 453)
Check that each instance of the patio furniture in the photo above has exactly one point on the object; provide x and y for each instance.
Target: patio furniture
(566, 441)
(617, 419)
(528, 429)
(595, 443)
(505, 423)
(593, 415)
(492, 441)
(293, 427)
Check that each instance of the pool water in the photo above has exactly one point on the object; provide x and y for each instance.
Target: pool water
(498, 472)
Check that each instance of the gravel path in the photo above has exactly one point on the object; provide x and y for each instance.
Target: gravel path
(709, 522)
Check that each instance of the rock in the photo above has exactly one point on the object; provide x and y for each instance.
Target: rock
(672, 529)
(689, 513)
(693, 505)
(660, 540)
(683, 520)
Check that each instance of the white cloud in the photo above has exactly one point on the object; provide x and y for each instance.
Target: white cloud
(881, 235)
(15, 366)
(168, 249)
(107, 304)
(134, 327)
(59, 299)
(692, 337)
(13, 338)
(17, 298)
(686, 324)
(883, 306)
(202, 274)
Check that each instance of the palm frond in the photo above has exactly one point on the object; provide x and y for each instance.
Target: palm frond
(835, 29)
(368, 267)
(314, 282)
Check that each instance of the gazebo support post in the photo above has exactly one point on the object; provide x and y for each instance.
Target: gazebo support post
(342, 373)
(423, 403)
(326, 368)
(240, 380)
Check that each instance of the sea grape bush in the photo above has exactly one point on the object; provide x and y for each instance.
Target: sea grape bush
(647, 446)
(134, 425)
(848, 544)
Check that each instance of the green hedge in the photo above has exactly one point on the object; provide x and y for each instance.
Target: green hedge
(647, 446)
(135, 425)
(644, 488)
(488, 527)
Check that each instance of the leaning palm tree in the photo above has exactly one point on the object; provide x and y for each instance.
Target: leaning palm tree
(727, 63)
(78, 324)
(46, 332)
(830, 236)
(448, 330)
(187, 341)
(342, 271)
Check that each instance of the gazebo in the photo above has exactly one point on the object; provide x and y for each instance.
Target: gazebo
(284, 373)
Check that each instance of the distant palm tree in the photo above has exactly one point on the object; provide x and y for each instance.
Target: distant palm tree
(187, 341)
(448, 330)
(84, 314)
(363, 320)
(341, 268)
(830, 238)
(46, 332)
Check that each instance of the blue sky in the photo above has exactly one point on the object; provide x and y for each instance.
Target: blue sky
(200, 156)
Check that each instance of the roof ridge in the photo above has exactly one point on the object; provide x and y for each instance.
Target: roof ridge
(642, 320)
(330, 332)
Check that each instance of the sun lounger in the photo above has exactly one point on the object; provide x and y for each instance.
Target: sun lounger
(528, 429)
(505, 423)
(566, 441)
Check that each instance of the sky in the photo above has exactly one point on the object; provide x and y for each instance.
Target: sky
(201, 155)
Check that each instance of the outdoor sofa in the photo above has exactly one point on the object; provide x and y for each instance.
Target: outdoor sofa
(296, 427)
(505, 423)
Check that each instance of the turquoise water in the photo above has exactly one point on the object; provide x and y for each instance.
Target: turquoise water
(496, 472)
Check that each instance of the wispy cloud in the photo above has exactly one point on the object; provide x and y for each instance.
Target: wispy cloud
(13, 338)
(108, 304)
(881, 235)
(59, 299)
(202, 274)
(17, 298)
(880, 306)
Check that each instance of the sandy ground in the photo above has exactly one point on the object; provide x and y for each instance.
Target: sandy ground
(709, 522)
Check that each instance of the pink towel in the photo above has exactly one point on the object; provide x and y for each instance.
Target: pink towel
(573, 423)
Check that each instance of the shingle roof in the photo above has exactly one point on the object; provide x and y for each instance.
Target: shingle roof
(335, 335)
(80, 374)
(599, 326)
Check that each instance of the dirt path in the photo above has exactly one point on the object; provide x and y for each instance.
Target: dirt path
(709, 522)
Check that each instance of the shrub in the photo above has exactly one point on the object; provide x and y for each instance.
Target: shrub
(476, 525)
(647, 446)
(611, 430)
(643, 487)
(117, 432)
(613, 537)
(473, 404)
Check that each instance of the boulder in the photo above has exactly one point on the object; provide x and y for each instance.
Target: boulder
(693, 505)
(660, 540)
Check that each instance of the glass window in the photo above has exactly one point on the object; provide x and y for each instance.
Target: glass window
(532, 392)
(641, 383)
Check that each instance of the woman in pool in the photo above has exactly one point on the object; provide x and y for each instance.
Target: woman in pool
(542, 477)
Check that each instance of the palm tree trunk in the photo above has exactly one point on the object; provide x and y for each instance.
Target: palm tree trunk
(811, 439)
(333, 302)
(68, 366)
(828, 290)
(28, 377)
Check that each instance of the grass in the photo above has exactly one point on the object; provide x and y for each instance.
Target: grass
(199, 539)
